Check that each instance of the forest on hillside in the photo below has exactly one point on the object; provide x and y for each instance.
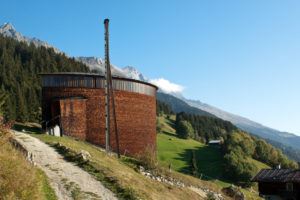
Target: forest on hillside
(239, 146)
(206, 128)
(20, 65)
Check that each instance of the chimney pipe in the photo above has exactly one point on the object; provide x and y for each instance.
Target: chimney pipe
(107, 93)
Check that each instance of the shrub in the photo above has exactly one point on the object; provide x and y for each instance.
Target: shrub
(242, 140)
(148, 158)
(238, 168)
(184, 129)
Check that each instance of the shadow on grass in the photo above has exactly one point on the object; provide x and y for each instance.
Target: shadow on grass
(209, 163)
(171, 123)
(26, 128)
(169, 134)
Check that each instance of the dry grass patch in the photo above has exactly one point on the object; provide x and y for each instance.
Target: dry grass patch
(19, 179)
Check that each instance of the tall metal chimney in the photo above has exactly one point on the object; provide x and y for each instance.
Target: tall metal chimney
(107, 93)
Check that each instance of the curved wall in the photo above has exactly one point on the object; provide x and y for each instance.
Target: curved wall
(82, 111)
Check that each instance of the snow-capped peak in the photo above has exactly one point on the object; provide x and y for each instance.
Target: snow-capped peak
(8, 30)
(7, 27)
(91, 60)
(133, 73)
(98, 65)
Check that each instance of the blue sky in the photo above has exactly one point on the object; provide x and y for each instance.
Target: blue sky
(241, 56)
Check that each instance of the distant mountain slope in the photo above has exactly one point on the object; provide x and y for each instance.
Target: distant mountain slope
(179, 105)
(291, 152)
(249, 126)
(8, 30)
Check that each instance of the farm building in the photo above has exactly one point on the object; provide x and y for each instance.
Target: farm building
(76, 102)
(279, 184)
(215, 143)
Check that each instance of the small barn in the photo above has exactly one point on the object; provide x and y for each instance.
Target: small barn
(215, 143)
(279, 184)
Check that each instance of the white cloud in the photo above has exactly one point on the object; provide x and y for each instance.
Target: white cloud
(167, 86)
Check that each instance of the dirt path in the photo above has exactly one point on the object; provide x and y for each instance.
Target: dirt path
(68, 180)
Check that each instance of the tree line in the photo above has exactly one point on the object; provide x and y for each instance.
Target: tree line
(202, 128)
(20, 65)
(163, 108)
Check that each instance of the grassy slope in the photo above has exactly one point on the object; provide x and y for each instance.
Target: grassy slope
(176, 151)
(19, 179)
(169, 151)
(126, 176)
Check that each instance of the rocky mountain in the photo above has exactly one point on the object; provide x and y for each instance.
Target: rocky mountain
(8, 30)
(133, 73)
(97, 65)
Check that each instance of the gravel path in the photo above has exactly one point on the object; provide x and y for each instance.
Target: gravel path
(68, 180)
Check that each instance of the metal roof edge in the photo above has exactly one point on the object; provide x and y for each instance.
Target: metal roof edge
(96, 75)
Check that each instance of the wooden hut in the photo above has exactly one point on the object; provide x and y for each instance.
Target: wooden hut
(279, 184)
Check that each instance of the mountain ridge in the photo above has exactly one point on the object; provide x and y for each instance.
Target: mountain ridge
(97, 65)
(8, 30)
(249, 125)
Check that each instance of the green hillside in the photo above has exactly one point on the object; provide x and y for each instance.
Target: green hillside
(178, 152)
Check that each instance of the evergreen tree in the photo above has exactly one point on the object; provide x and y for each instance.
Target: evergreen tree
(163, 108)
(3, 97)
(21, 106)
(20, 65)
(207, 128)
(184, 129)
(10, 108)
